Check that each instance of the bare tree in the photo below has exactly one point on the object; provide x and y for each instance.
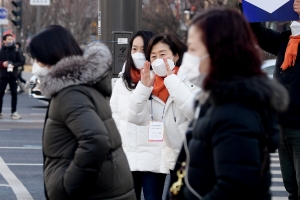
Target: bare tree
(159, 17)
(75, 15)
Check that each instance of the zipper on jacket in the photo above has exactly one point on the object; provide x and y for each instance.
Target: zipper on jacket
(188, 156)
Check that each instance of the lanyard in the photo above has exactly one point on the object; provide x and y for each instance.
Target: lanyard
(162, 117)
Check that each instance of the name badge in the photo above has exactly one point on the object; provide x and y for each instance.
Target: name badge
(156, 131)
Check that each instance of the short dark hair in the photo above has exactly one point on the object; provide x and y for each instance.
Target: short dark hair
(52, 44)
(5, 36)
(232, 46)
(19, 44)
(176, 46)
(146, 35)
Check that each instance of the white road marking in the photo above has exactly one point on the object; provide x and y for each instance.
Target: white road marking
(274, 159)
(4, 185)
(29, 148)
(277, 188)
(24, 164)
(43, 109)
(279, 198)
(22, 121)
(275, 165)
(277, 180)
(275, 172)
(18, 188)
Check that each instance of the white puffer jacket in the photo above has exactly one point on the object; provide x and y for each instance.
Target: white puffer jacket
(158, 156)
(141, 154)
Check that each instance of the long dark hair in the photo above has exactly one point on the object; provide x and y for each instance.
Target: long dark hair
(232, 46)
(52, 44)
(146, 35)
(176, 46)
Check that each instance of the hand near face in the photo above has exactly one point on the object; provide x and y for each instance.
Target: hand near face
(169, 71)
(5, 64)
(297, 6)
(145, 75)
(240, 1)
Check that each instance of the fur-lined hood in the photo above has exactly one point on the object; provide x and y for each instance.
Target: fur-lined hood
(92, 68)
(254, 91)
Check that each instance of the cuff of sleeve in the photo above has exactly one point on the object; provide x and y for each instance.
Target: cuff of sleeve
(171, 81)
(143, 91)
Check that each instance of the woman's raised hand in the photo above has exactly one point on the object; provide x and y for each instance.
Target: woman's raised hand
(146, 76)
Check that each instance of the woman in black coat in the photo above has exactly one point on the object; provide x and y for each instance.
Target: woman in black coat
(83, 156)
(227, 154)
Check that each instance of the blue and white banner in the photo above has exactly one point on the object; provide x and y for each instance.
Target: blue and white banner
(269, 10)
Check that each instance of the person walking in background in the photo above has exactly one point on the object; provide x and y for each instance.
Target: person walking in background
(285, 46)
(160, 108)
(83, 154)
(139, 155)
(10, 60)
(21, 81)
(228, 153)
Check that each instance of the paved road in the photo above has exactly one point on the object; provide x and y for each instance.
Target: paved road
(21, 154)
(21, 150)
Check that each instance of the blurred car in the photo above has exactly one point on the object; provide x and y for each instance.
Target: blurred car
(268, 67)
(34, 89)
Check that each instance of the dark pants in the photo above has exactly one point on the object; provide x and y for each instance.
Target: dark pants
(151, 183)
(289, 156)
(20, 77)
(13, 85)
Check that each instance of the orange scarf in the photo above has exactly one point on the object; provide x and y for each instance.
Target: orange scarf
(135, 75)
(159, 88)
(291, 52)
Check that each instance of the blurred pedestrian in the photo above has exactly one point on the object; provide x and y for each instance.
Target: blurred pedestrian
(285, 46)
(9, 62)
(83, 156)
(21, 81)
(228, 153)
(141, 158)
(160, 107)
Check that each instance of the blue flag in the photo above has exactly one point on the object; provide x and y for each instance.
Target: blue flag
(269, 10)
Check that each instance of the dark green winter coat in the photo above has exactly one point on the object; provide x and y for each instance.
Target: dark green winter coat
(83, 155)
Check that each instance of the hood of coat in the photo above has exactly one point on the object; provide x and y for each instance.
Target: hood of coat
(92, 68)
(254, 91)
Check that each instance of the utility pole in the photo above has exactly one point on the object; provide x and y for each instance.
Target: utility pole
(38, 19)
(117, 20)
(2, 26)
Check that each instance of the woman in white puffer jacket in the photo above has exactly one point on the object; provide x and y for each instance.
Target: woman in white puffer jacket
(165, 98)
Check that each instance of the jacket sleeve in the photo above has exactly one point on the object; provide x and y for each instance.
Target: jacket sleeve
(138, 112)
(268, 39)
(18, 62)
(80, 118)
(114, 102)
(236, 155)
(183, 96)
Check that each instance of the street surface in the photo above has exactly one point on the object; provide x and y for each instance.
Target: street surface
(21, 153)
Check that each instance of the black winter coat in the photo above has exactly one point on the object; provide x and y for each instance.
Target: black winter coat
(9, 54)
(276, 43)
(83, 155)
(228, 149)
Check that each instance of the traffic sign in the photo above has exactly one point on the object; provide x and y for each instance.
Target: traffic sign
(40, 2)
(3, 16)
(269, 10)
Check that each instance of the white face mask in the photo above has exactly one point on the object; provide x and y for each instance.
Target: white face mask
(159, 66)
(295, 28)
(38, 70)
(190, 68)
(138, 59)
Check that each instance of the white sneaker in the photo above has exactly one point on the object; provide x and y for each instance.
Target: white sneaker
(15, 115)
